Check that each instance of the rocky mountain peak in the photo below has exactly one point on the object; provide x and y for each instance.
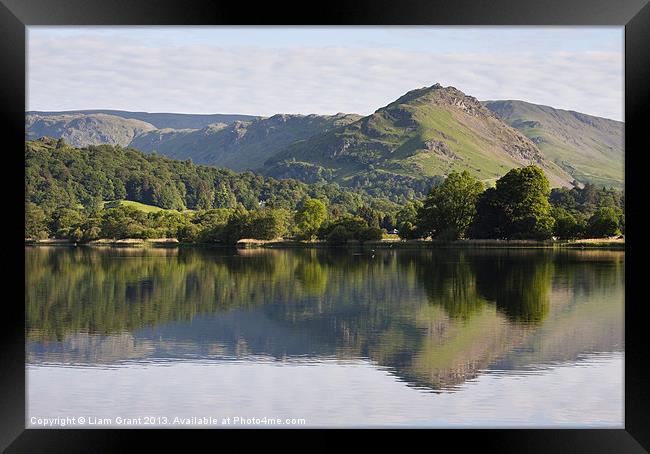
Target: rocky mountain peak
(439, 95)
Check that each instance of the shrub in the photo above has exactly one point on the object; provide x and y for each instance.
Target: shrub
(604, 223)
(339, 235)
(567, 225)
(370, 234)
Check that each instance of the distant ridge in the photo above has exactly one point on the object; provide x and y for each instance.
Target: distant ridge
(241, 145)
(589, 148)
(159, 120)
(86, 129)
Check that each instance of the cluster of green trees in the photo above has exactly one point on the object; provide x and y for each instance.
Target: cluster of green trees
(520, 206)
(216, 225)
(57, 175)
(66, 189)
(372, 182)
(342, 230)
(588, 212)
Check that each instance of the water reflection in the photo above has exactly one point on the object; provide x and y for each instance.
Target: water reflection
(435, 319)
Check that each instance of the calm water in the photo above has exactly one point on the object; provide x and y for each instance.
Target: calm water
(446, 338)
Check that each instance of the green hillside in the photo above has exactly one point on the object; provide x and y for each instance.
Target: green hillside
(590, 149)
(137, 205)
(427, 132)
(241, 145)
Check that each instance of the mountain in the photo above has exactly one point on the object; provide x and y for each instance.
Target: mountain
(85, 129)
(158, 120)
(241, 145)
(427, 132)
(590, 149)
(235, 141)
(114, 127)
(399, 151)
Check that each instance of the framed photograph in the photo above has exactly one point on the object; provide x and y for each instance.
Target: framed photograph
(411, 216)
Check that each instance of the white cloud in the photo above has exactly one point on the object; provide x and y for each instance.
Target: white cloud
(95, 71)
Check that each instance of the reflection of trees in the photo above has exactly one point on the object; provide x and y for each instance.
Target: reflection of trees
(110, 291)
(312, 276)
(462, 281)
(589, 272)
(586, 314)
(101, 292)
(518, 283)
(435, 318)
(461, 333)
(449, 281)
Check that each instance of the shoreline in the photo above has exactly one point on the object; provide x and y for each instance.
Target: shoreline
(597, 243)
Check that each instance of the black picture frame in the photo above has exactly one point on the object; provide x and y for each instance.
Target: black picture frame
(15, 15)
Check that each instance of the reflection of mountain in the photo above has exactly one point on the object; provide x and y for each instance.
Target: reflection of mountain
(434, 318)
(586, 315)
(87, 348)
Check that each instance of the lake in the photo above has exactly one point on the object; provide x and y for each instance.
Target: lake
(167, 337)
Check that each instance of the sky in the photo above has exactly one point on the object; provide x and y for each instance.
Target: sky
(321, 70)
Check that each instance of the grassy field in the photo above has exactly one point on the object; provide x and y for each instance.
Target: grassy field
(129, 203)
(140, 206)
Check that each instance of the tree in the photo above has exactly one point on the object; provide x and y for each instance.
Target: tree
(388, 221)
(210, 224)
(167, 197)
(568, 225)
(205, 195)
(188, 233)
(339, 235)
(589, 197)
(94, 206)
(349, 228)
(310, 217)
(124, 222)
(370, 234)
(69, 177)
(224, 198)
(77, 235)
(604, 223)
(167, 223)
(266, 224)
(449, 209)
(65, 221)
(234, 230)
(564, 198)
(407, 219)
(490, 220)
(35, 222)
(518, 208)
(370, 215)
(91, 229)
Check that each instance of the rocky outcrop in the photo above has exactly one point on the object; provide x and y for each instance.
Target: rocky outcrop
(440, 148)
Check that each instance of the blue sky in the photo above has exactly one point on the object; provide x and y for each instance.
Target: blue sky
(324, 70)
